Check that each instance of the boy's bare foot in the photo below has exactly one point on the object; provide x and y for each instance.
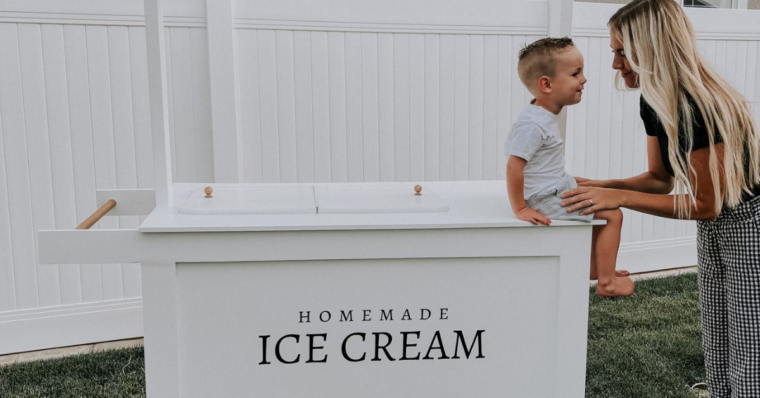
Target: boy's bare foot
(622, 272)
(620, 286)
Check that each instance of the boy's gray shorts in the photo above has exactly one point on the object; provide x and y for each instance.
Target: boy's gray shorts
(547, 202)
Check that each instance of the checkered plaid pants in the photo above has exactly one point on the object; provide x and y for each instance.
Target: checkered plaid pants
(728, 250)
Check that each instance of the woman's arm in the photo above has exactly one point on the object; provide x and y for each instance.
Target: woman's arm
(656, 204)
(655, 180)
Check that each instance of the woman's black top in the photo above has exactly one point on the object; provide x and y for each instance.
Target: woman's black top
(654, 128)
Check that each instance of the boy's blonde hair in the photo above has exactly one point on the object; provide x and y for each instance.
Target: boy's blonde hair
(539, 59)
(661, 48)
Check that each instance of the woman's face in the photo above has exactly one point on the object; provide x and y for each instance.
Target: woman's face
(620, 62)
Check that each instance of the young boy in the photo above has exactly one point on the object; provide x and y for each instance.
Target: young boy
(552, 70)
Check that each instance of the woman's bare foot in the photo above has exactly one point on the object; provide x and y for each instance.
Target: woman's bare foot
(622, 272)
(620, 286)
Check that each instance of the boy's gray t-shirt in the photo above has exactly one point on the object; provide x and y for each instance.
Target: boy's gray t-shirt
(535, 138)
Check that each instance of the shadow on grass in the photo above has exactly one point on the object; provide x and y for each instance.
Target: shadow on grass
(645, 346)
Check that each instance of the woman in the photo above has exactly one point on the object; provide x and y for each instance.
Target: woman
(703, 141)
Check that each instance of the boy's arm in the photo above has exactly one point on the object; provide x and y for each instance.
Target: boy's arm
(515, 189)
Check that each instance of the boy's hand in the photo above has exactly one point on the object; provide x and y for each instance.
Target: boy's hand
(528, 214)
(585, 182)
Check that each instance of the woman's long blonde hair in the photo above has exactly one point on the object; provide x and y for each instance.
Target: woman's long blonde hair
(661, 48)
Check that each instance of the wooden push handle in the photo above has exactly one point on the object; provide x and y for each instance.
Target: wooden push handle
(90, 221)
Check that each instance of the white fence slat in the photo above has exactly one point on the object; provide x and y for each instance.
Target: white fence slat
(474, 129)
(354, 117)
(15, 156)
(38, 149)
(141, 115)
(741, 67)
(201, 89)
(710, 48)
(286, 106)
(729, 68)
(448, 104)
(615, 131)
(626, 158)
(82, 146)
(581, 162)
(250, 117)
(370, 107)
(604, 83)
(141, 108)
(490, 107)
(61, 161)
(639, 154)
(303, 102)
(7, 279)
(170, 99)
(607, 83)
(592, 104)
(507, 66)
(756, 97)
(416, 107)
(432, 107)
(123, 121)
(270, 143)
(337, 78)
(461, 110)
(182, 100)
(385, 120)
(751, 70)
(721, 52)
(401, 106)
(321, 104)
(124, 137)
(103, 141)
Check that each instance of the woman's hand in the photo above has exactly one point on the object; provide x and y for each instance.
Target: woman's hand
(533, 216)
(591, 199)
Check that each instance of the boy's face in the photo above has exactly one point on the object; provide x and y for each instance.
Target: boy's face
(568, 81)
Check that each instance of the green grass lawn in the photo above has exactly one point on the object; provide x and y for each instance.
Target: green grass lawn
(645, 346)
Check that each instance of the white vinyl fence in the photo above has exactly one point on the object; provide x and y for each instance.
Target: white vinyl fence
(305, 91)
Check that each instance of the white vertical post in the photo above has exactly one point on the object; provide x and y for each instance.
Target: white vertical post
(160, 330)
(572, 319)
(159, 108)
(223, 80)
(561, 25)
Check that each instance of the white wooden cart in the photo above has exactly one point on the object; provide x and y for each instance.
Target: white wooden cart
(342, 290)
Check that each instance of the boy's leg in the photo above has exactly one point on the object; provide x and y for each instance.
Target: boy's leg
(594, 236)
(605, 248)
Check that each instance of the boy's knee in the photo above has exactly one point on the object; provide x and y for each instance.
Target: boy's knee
(617, 215)
(614, 216)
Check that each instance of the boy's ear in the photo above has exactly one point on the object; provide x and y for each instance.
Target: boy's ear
(545, 84)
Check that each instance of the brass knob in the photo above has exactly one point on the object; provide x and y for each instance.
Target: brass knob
(417, 190)
(208, 191)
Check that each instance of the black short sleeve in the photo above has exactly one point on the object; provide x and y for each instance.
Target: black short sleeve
(654, 128)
